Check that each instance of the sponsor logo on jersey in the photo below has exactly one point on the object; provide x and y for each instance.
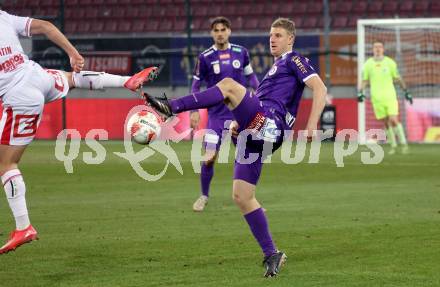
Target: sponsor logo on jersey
(225, 56)
(12, 63)
(226, 62)
(258, 122)
(299, 64)
(236, 49)
(5, 51)
(236, 64)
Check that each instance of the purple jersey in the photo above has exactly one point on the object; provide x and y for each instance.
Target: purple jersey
(282, 87)
(213, 65)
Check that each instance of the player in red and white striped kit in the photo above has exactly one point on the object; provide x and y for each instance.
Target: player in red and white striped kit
(24, 89)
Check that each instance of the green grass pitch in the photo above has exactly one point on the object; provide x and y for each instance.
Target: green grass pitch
(360, 225)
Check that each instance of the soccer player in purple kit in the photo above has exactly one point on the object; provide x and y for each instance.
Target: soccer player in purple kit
(220, 61)
(266, 116)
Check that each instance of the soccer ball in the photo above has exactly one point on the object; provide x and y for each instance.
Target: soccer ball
(144, 127)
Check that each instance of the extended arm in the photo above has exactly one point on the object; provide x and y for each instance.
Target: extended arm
(361, 91)
(402, 84)
(252, 81)
(319, 93)
(52, 33)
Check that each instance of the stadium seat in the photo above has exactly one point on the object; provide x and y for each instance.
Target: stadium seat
(85, 2)
(71, 2)
(199, 11)
(83, 27)
(91, 13)
(132, 12)
(180, 24)
(49, 3)
(78, 13)
(352, 21)
(390, 7)
(250, 24)
(359, 7)
(214, 11)
(315, 8)
(124, 26)
(264, 24)
(293, 8)
(68, 14)
(199, 24)
(152, 25)
(145, 11)
(174, 10)
(166, 25)
(71, 27)
(143, 2)
(421, 6)
(375, 8)
(24, 12)
(237, 23)
(309, 22)
(117, 12)
(159, 11)
(269, 10)
(229, 10)
(406, 6)
(343, 8)
(340, 22)
(257, 9)
(97, 26)
(435, 9)
(138, 25)
(110, 26)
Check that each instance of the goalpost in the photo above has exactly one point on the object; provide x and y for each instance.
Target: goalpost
(415, 46)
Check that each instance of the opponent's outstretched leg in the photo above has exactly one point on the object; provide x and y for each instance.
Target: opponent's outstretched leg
(15, 190)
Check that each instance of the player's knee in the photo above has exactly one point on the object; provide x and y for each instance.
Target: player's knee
(69, 76)
(211, 159)
(209, 162)
(240, 198)
(6, 164)
(237, 198)
(228, 87)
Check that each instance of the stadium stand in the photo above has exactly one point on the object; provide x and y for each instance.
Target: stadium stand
(128, 16)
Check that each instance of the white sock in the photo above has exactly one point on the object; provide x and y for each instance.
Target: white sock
(98, 80)
(15, 190)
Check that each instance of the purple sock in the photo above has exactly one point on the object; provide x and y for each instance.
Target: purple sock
(258, 223)
(205, 99)
(206, 177)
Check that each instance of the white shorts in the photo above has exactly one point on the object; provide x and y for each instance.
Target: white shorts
(23, 104)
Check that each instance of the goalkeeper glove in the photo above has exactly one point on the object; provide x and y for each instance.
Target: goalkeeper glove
(360, 96)
(408, 97)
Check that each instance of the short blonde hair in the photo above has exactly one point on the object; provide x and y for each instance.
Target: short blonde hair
(285, 23)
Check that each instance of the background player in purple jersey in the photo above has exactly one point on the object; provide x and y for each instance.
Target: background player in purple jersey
(266, 116)
(220, 61)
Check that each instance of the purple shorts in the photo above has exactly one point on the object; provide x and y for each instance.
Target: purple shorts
(261, 133)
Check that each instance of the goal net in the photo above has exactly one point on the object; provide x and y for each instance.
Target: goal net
(415, 46)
